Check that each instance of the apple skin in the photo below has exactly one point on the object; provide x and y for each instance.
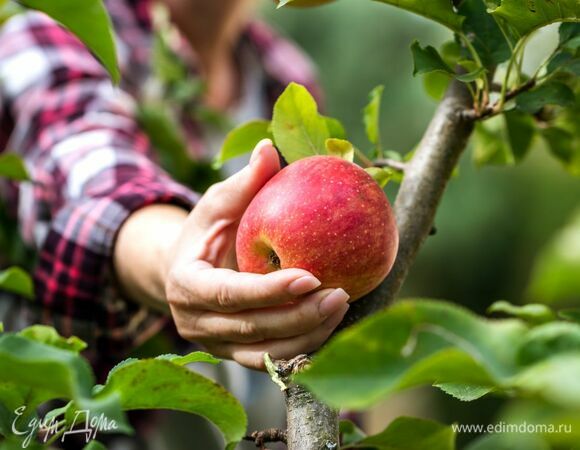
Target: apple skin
(325, 215)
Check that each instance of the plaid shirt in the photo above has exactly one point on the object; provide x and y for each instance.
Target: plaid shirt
(91, 164)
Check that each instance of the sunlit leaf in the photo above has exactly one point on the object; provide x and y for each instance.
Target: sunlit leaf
(243, 139)
(49, 336)
(371, 115)
(191, 358)
(464, 392)
(17, 281)
(525, 16)
(438, 10)
(409, 433)
(161, 384)
(89, 21)
(12, 167)
(299, 130)
(341, 148)
(533, 313)
(381, 175)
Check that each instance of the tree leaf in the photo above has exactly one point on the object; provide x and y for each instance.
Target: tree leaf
(525, 16)
(490, 144)
(555, 273)
(520, 133)
(243, 139)
(340, 148)
(193, 357)
(533, 313)
(549, 340)
(551, 93)
(49, 336)
(471, 76)
(564, 146)
(13, 168)
(481, 28)
(94, 445)
(508, 441)
(572, 315)
(412, 343)
(569, 34)
(299, 131)
(436, 84)
(161, 384)
(381, 175)
(464, 392)
(59, 373)
(89, 21)
(440, 11)
(409, 433)
(349, 433)
(565, 62)
(371, 115)
(427, 60)
(335, 128)
(17, 281)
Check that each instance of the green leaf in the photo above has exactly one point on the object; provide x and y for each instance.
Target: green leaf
(450, 51)
(340, 148)
(89, 21)
(13, 168)
(555, 273)
(564, 146)
(569, 34)
(243, 139)
(487, 38)
(409, 433)
(472, 76)
(371, 116)
(572, 315)
(534, 313)
(464, 392)
(381, 175)
(94, 445)
(490, 144)
(58, 373)
(520, 133)
(350, 433)
(412, 343)
(565, 62)
(438, 10)
(49, 336)
(508, 441)
(193, 357)
(17, 281)
(427, 60)
(436, 84)
(549, 340)
(335, 128)
(525, 16)
(299, 131)
(551, 93)
(161, 384)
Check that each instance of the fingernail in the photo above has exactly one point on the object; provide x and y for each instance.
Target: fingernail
(258, 150)
(333, 302)
(303, 285)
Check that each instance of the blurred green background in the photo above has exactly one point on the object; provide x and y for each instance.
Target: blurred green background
(493, 221)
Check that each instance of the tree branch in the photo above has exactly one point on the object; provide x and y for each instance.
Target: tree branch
(399, 166)
(311, 424)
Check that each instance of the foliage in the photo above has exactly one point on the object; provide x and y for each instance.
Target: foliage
(37, 365)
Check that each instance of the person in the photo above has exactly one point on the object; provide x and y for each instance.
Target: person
(123, 248)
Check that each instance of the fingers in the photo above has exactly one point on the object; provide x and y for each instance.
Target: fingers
(229, 199)
(271, 323)
(223, 290)
(252, 355)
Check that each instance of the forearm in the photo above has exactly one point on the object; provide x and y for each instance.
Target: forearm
(140, 254)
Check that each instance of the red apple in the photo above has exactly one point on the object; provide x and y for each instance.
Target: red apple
(325, 215)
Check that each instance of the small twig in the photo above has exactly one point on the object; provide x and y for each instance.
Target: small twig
(399, 166)
(270, 435)
(496, 108)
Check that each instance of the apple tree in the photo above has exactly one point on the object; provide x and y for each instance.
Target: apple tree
(532, 357)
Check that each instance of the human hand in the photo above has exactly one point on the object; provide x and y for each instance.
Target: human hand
(241, 315)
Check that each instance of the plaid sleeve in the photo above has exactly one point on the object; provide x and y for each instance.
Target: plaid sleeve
(91, 165)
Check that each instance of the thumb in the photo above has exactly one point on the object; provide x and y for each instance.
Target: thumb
(230, 198)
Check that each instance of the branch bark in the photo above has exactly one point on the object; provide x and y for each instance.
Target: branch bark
(426, 177)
